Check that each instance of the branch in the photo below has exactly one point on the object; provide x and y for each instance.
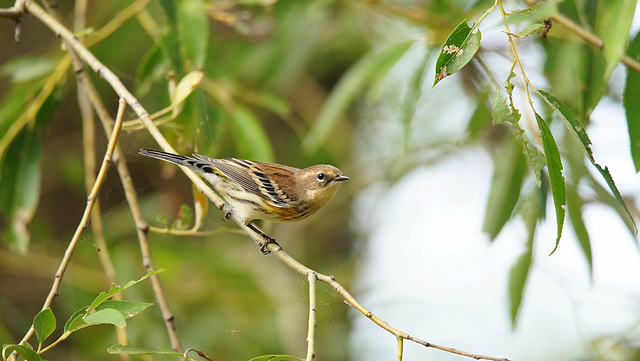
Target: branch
(587, 36)
(15, 12)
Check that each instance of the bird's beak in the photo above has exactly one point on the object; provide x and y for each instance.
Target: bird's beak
(341, 178)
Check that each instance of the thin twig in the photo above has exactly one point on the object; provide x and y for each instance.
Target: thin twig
(330, 280)
(587, 36)
(311, 277)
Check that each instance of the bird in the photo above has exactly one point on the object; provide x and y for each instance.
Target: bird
(258, 190)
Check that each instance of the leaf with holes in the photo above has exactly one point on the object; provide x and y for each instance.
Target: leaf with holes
(458, 50)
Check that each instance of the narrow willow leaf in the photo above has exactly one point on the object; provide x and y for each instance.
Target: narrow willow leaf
(518, 278)
(20, 187)
(577, 131)
(24, 350)
(613, 21)
(509, 170)
(556, 179)
(459, 48)
(501, 112)
(201, 205)
(194, 31)
(349, 86)
(631, 103)
(141, 350)
(574, 209)
(44, 324)
(249, 134)
(169, 42)
(534, 13)
(25, 69)
(106, 316)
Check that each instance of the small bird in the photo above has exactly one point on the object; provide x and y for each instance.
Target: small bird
(257, 190)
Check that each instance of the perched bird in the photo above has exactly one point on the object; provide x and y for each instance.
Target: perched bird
(257, 190)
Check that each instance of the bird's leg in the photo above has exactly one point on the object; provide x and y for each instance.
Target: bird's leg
(227, 211)
(267, 239)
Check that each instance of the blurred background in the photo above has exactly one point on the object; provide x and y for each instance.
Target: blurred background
(416, 234)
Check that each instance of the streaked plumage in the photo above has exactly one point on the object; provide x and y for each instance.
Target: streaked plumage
(257, 190)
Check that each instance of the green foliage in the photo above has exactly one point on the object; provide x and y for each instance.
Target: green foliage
(276, 81)
(631, 104)
(458, 50)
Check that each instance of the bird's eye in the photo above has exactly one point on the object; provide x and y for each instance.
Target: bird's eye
(320, 176)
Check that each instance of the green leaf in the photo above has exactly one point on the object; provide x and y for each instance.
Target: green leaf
(20, 186)
(349, 86)
(556, 179)
(500, 112)
(76, 322)
(168, 39)
(459, 48)
(509, 170)
(141, 350)
(613, 21)
(529, 30)
(127, 308)
(44, 324)
(578, 132)
(518, 278)
(631, 103)
(106, 316)
(25, 69)
(24, 350)
(574, 209)
(251, 138)
(194, 31)
(534, 13)
(103, 296)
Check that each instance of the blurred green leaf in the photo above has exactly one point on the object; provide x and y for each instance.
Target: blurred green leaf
(509, 170)
(25, 69)
(141, 350)
(458, 50)
(501, 112)
(518, 275)
(574, 210)
(24, 350)
(613, 21)
(194, 31)
(631, 102)
(533, 14)
(168, 39)
(20, 186)
(106, 316)
(251, 139)
(349, 86)
(44, 324)
(556, 179)
(578, 132)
